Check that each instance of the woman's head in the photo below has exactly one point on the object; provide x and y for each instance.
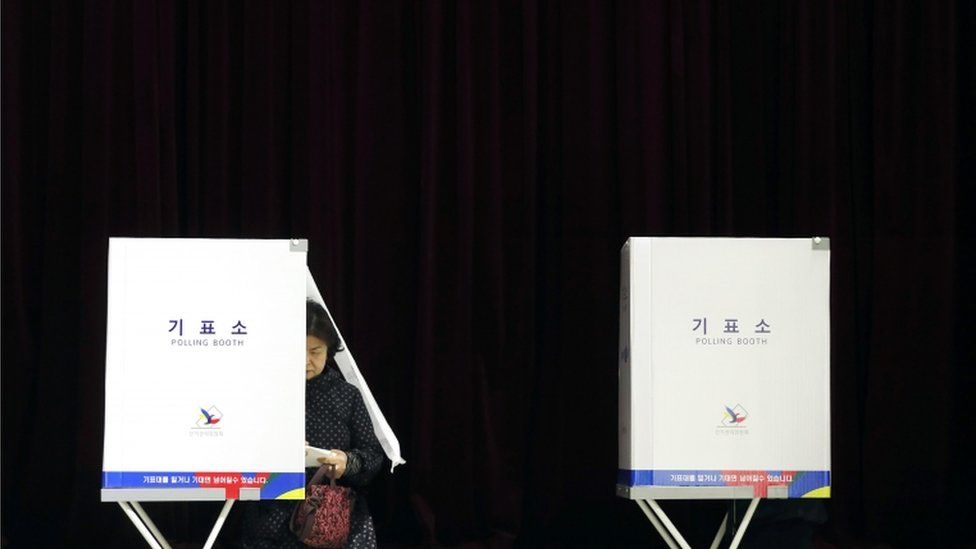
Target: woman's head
(321, 341)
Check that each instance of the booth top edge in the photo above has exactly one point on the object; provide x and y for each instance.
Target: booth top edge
(818, 242)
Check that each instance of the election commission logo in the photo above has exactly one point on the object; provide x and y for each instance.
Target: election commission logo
(734, 417)
(733, 421)
(208, 422)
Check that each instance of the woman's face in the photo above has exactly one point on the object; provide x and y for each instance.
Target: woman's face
(316, 352)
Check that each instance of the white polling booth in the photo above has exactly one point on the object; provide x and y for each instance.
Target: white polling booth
(205, 376)
(724, 372)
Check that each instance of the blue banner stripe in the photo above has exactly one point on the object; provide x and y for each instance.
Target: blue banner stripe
(801, 483)
(182, 479)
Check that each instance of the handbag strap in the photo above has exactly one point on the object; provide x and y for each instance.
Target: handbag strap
(327, 470)
(308, 521)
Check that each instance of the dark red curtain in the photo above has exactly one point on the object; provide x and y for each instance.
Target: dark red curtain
(466, 173)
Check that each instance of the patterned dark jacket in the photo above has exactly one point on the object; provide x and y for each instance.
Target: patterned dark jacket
(335, 418)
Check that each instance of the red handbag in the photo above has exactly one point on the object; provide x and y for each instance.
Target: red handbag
(322, 520)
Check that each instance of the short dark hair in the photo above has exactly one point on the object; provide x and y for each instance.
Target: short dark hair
(318, 324)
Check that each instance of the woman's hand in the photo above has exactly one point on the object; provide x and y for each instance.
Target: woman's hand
(338, 459)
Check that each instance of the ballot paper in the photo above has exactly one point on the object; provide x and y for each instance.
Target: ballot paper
(312, 455)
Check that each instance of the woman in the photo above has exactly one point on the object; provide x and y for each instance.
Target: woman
(336, 419)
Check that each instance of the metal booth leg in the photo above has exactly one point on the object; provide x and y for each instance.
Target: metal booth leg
(150, 524)
(657, 524)
(721, 532)
(668, 524)
(127, 509)
(745, 524)
(219, 524)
